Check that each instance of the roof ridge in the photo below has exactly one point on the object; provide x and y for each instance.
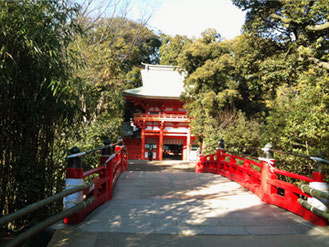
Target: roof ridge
(158, 66)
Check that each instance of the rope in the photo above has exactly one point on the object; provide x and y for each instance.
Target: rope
(319, 159)
(243, 155)
(93, 150)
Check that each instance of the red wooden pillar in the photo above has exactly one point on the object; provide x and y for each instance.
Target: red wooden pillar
(161, 141)
(188, 145)
(143, 142)
(266, 189)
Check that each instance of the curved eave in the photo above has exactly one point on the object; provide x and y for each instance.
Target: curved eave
(141, 96)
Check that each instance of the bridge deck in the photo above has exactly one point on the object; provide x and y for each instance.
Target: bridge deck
(152, 208)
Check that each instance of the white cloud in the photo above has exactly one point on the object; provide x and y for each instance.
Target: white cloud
(191, 17)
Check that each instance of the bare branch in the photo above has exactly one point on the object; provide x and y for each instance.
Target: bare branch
(281, 18)
(320, 63)
(320, 27)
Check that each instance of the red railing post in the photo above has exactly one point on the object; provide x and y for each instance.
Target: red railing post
(245, 176)
(123, 155)
(122, 159)
(218, 158)
(232, 167)
(74, 177)
(220, 150)
(119, 156)
(267, 173)
(110, 166)
(126, 157)
(106, 154)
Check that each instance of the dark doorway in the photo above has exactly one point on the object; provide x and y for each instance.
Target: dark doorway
(172, 151)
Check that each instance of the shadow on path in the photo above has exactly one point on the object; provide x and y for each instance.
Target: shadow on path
(158, 204)
(161, 166)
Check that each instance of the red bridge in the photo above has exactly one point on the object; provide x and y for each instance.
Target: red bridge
(229, 201)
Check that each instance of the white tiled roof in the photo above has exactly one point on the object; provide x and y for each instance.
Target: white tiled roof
(159, 81)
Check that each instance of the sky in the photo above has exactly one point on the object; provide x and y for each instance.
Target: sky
(192, 17)
(184, 17)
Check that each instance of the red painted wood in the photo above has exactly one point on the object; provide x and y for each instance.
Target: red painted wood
(264, 183)
(317, 177)
(293, 175)
(109, 170)
(134, 148)
(160, 155)
(157, 115)
(74, 173)
(92, 171)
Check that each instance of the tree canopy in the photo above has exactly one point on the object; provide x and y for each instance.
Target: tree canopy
(269, 84)
(36, 72)
(62, 80)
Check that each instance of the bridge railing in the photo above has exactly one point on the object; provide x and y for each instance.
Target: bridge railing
(262, 179)
(80, 196)
(159, 117)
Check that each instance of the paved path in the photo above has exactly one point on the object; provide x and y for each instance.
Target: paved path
(186, 209)
(161, 166)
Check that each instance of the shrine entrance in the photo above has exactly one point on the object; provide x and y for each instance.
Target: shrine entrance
(173, 152)
(151, 145)
(173, 148)
(159, 116)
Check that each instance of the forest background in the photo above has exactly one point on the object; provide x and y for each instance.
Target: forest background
(63, 74)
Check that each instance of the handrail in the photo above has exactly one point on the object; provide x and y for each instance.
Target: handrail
(315, 158)
(32, 207)
(314, 192)
(265, 183)
(48, 222)
(291, 175)
(111, 166)
(100, 192)
(93, 150)
(275, 170)
(92, 171)
(313, 209)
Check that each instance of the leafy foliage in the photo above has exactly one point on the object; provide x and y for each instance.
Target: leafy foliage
(217, 89)
(113, 52)
(267, 85)
(38, 98)
(297, 76)
(62, 82)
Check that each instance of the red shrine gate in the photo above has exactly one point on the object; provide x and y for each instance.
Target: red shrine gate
(165, 131)
(163, 124)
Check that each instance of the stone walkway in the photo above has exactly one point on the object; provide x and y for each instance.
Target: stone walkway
(186, 209)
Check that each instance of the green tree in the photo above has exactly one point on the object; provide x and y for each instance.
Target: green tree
(296, 75)
(113, 51)
(172, 47)
(216, 87)
(38, 98)
(296, 26)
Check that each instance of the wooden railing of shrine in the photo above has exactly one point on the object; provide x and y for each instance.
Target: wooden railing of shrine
(161, 117)
(85, 190)
(261, 178)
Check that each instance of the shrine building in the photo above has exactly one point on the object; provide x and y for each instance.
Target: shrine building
(161, 124)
